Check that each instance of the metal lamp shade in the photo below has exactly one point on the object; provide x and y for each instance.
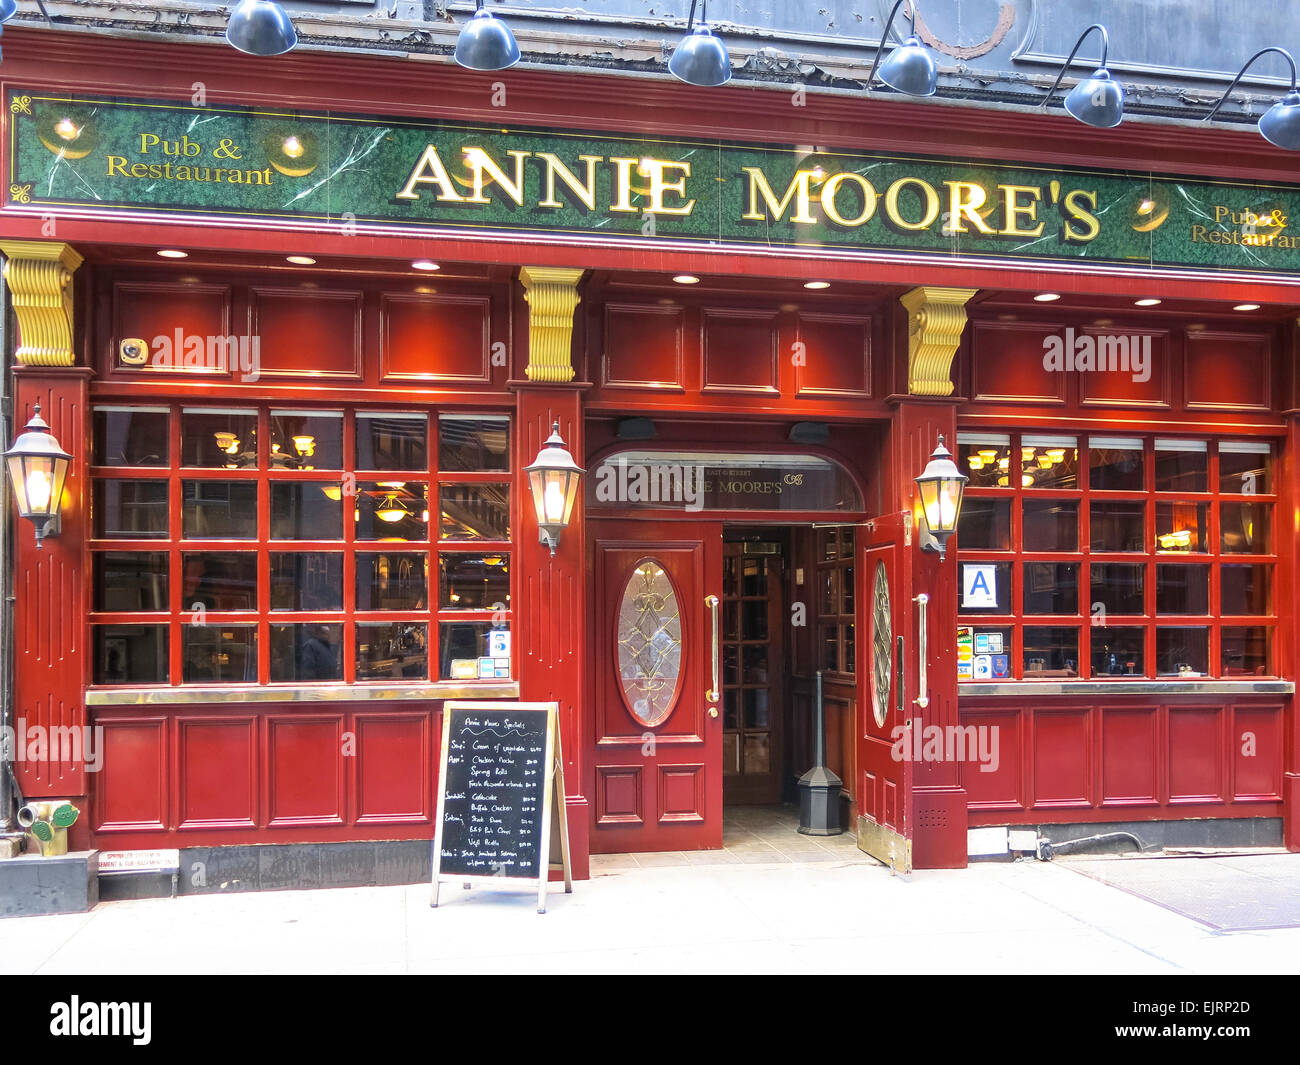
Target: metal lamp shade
(1281, 122)
(1097, 101)
(486, 43)
(261, 27)
(7, 9)
(701, 59)
(553, 479)
(941, 486)
(38, 467)
(910, 69)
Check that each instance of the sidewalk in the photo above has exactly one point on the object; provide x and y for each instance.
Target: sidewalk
(826, 917)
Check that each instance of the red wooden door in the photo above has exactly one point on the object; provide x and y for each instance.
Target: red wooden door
(656, 762)
(884, 785)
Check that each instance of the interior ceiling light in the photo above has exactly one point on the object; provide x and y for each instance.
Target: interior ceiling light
(701, 58)
(261, 27)
(1047, 297)
(1095, 101)
(173, 253)
(486, 43)
(910, 67)
(1280, 124)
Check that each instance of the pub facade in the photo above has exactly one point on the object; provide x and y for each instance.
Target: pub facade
(301, 323)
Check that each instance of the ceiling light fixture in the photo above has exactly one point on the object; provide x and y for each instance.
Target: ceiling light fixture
(1280, 124)
(1095, 101)
(701, 58)
(1047, 297)
(173, 253)
(686, 279)
(425, 264)
(300, 260)
(910, 67)
(260, 27)
(486, 43)
(1146, 303)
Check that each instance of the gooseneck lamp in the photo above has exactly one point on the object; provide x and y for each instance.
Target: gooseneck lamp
(486, 43)
(553, 482)
(941, 486)
(38, 466)
(1280, 124)
(8, 8)
(261, 27)
(910, 67)
(1098, 100)
(701, 58)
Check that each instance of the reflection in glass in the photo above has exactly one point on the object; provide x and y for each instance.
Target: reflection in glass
(1182, 589)
(306, 580)
(473, 444)
(310, 652)
(395, 651)
(219, 654)
(1050, 652)
(1051, 588)
(1245, 467)
(218, 438)
(1245, 528)
(219, 580)
(1050, 524)
(467, 642)
(1246, 589)
(219, 509)
(126, 510)
(130, 580)
(985, 459)
(130, 654)
(306, 440)
(985, 525)
(1118, 652)
(1049, 462)
(306, 510)
(1115, 464)
(392, 442)
(392, 581)
(649, 635)
(1182, 651)
(1245, 651)
(474, 582)
(392, 510)
(1181, 527)
(1117, 526)
(1182, 466)
(1119, 587)
(129, 437)
(474, 511)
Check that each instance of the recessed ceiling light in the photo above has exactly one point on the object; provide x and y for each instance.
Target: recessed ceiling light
(173, 253)
(1047, 297)
(300, 260)
(1146, 303)
(816, 284)
(1246, 307)
(687, 279)
(424, 264)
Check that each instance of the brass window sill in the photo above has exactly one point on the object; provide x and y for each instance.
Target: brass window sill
(993, 689)
(226, 694)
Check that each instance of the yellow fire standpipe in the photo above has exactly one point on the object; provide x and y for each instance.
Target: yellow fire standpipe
(49, 822)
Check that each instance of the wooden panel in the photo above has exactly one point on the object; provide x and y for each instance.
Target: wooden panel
(305, 770)
(1195, 753)
(1228, 371)
(739, 351)
(836, 356)
(217, 772)
(307, 332)
(394, 766)
(1130, 770)
(1007, 363)
(643, 347)
(1257, 748)
(131, 787)
(150, 310)
(1136, 355)
(618, 795)
(436, 338)
(1062, 758)
(681, 793)
(1003, 787)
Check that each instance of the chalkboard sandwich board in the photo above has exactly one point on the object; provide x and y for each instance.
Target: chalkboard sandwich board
(501, 797)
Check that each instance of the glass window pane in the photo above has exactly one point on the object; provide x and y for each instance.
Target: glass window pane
(392, 510)
(130, 437)
(850, 649)
(1246, 589)
(756, 708)
(1117, 526)
(1118, 587)
(846, 590)
(1182, 589)
(128, 510)
(130, 654)
(463, 642)
(829, 639)
(1050, 525)
(828, 540)
(130, 580)
(984, 525)
(306, 440)
(395, 651)
(977, 596)
(1246, 528)
(1051, 652)
(218, 438)
(473, 444)
(754, 576)
(306, 580)
(1182, 466)
(1182, 651)
(1245, 468)
(753, 619)
(828, 584)
(986, 464)
(475, 511)
(990, 654)
(306, 510)
(1182, 527)
(474, 582)
(1051, 588)
(1115, 467)
(1245, 651)
(306, 653)
(219, 654)
(1118, 652)
(392, 581)
(219, 580)
(221, 509)
(1049, 462)
(392, 442)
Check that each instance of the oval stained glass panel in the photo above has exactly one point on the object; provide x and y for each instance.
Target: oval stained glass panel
(882, 645)
(649, 643)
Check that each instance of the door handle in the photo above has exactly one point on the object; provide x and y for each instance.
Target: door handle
(922, 699)
(714, 694)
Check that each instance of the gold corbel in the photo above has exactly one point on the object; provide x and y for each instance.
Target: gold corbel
(39, 276)
(935, 320)
(552, 295)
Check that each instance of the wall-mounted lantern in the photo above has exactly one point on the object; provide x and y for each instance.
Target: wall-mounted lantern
(553, 480)
(941, 486)
(37, 468)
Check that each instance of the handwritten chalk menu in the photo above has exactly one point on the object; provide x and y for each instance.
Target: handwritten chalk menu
(500, 787)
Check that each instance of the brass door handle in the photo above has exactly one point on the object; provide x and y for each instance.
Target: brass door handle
(714, 693)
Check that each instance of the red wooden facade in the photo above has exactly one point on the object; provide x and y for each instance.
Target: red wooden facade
(360, 331)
